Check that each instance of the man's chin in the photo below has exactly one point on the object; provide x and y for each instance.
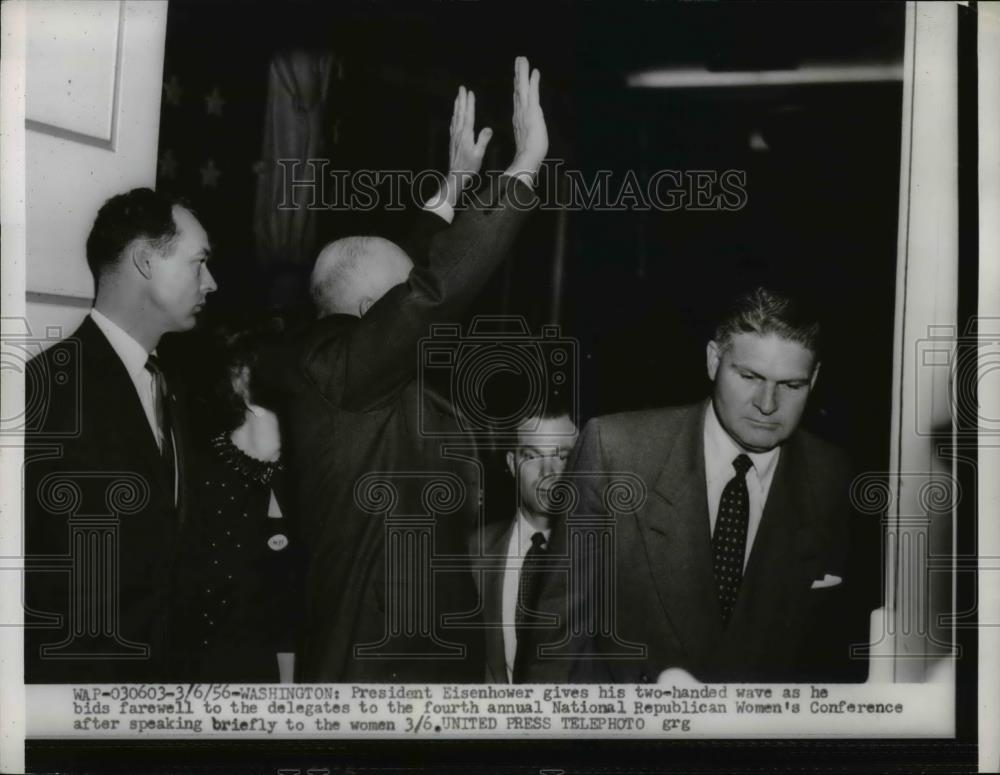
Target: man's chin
(757, 439)
(548, 509)
(191, 321)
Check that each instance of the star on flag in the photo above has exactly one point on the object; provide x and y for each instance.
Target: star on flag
(172, 91)
(210, 174)
(214, 103)
(168, 164)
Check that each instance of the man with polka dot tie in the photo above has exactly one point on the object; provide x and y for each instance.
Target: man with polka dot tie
(734, 561)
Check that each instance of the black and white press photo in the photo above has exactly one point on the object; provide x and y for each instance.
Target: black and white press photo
(545, 384)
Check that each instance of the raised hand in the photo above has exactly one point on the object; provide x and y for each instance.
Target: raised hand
(531, 138)
(465, 153)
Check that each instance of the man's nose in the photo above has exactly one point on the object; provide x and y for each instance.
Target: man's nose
(551, 464)
(766, 398)
(208, 282)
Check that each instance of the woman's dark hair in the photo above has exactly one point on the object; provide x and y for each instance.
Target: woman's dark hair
(237, 346)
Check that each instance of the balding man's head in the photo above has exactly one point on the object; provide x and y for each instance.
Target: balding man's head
(353, 273)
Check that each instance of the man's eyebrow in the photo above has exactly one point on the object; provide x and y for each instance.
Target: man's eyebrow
(741, 367)
(785, 381)
(555, 446)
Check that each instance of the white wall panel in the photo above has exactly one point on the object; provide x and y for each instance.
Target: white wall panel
(73, 68)
(68, 174)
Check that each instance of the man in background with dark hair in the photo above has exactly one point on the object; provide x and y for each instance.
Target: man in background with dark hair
(732, 565)
(104, 474)
(514, 549)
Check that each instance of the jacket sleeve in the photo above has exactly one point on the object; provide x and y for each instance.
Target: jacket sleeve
(359, 364)
(422, 227)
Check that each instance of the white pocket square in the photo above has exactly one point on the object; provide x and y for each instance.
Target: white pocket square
(826, 582)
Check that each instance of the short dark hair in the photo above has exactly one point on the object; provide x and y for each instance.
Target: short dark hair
(139, 214)
(763, 311)
(552, 405)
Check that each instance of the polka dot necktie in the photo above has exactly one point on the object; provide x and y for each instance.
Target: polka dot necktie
(730, 538)
(528, 588)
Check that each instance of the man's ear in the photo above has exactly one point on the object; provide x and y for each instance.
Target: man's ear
(509, 457)
(365, 305)
(713, 354)
(139, 257)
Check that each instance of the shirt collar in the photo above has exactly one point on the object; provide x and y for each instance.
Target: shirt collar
(524, 530)
(132, 354)
(719, 446)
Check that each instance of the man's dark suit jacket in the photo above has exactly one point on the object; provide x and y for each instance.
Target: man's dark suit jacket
(88, 437)
(665, 599)
(493, 539)
(351, 406)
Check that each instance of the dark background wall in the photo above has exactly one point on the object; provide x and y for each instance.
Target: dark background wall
(640, 289)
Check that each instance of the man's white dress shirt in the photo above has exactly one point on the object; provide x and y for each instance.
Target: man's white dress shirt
(134, 356)
(517, 548)
(720, 452)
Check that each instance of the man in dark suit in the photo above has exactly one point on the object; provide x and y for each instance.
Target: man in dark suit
(104, 472)
(363, 437)
(729, 561)
(514, 549)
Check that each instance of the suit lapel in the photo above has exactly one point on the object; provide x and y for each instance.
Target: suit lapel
(784, 553)
(495, 539)
(675, 529)
(180, 442)
(127, 417)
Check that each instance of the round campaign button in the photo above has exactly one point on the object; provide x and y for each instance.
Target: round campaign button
(278, 541)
